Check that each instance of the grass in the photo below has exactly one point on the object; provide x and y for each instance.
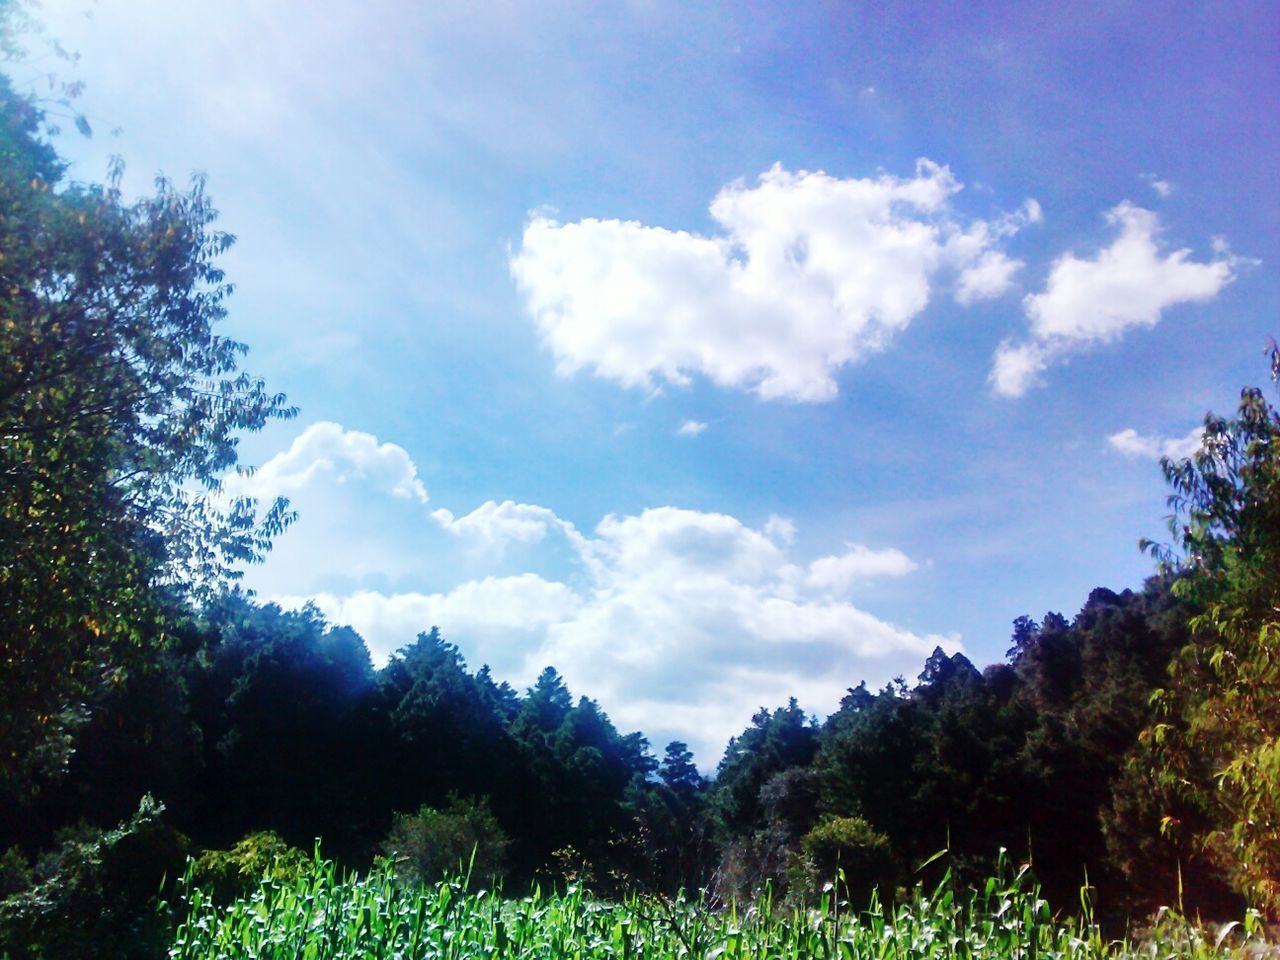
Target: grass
(320, 914)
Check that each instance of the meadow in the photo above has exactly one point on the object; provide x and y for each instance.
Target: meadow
(321, 914)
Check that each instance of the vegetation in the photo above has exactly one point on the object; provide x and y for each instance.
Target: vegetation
(154, 720)
(119, 408)
(326, 914)
(1213, 750)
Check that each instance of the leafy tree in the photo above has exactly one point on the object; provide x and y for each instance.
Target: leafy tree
(679, 773)
(93, 895)
(119, 410)
(681, 851)
(1216, 745)
(775, 741)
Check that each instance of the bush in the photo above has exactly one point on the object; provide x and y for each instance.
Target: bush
(96, 894)
(228, 875)
(431, 844)
(855, 856)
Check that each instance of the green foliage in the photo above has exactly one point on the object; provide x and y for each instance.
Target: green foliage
(851, 854)
(1214, 749)
(282, 701)
(775, 741)
(325, 914)
(228, 875)
(462, 839)
(119, 410)
(94, 895)
(15, 873)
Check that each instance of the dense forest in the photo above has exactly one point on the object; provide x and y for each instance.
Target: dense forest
(151, 712)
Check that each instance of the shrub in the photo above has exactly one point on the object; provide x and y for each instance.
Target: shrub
(228, 875)
(95, 895)
(432, 844)
(855, 856)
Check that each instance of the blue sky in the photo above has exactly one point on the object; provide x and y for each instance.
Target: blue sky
(714, 353)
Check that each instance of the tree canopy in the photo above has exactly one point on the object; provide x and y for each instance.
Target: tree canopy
(120, 405)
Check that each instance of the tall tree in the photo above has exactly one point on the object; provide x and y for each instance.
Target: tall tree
(119, 411)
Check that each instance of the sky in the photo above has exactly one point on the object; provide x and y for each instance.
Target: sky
(713, 353)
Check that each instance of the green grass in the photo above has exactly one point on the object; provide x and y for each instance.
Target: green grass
(322, 915)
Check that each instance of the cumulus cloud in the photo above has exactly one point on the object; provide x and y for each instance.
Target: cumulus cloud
(1091, 301)
(690, 608)
(810, 273)
(691, 428)
(330, 450)
(496, 525)
(499, 617)
(682, 623)
(840, 573)
(990, 277)
(1133, 444)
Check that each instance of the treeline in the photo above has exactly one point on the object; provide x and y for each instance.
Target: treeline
(1036, 756)
(254, 720)
(257, 719)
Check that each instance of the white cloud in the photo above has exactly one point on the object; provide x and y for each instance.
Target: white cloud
(987, 279)
(1162, 187)
(331, 450)
(691, 608)
(780, 530)
(1089, 301)
(495, 525)
(682, 623)
(811, 273)
(1133, 444)
(1018, 367)
(500, 617)
(691, 428)
(840, 573)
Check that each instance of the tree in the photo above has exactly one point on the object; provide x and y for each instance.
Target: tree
(119, 412)
(1216, 743)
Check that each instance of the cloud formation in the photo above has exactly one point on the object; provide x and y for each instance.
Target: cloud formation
(680, 622)
(1163, 188)
(342, 454)
(810, 273)
(1132, 444)
(494, 526)
(691, 428)
(694, 620)
(1092, 301)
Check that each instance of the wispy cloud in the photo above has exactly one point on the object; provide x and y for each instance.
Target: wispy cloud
(691, 428)
(1162, 187)
(1090, 301)
(810, 273)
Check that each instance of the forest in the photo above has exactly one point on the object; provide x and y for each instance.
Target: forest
(160, 725)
